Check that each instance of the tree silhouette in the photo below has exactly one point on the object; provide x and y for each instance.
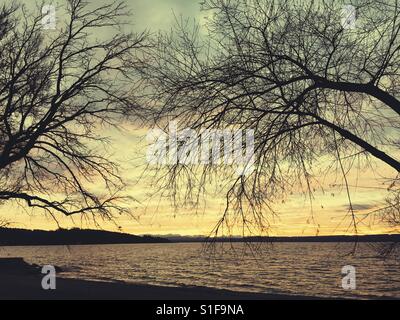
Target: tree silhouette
(58, 89)
(319, 94)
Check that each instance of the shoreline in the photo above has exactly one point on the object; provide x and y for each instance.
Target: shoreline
(28, 287)
(21, 280)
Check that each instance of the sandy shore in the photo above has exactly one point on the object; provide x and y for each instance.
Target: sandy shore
(29, 287)
(21, 280)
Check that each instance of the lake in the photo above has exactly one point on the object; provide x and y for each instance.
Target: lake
(312, 269)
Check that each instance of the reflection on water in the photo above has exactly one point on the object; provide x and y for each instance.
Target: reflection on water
(292, 268)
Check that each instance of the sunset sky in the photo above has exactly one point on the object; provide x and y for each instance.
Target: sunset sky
(157, 216)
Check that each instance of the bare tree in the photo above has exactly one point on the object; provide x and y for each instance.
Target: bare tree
(58, 90)
(321, 96)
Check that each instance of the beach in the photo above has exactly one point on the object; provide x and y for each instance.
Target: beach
(21, 280)
(29, 287)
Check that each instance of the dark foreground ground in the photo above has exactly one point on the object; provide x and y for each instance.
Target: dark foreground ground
(29, 287)
(21, 280)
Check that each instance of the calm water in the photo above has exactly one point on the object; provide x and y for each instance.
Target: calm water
(291, 268)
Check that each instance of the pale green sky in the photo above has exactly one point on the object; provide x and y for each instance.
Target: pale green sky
(146, 14)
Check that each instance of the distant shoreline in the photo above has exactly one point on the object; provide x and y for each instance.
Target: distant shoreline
(23, 237)
(316, 239)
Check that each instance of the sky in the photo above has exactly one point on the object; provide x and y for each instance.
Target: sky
(328, 214)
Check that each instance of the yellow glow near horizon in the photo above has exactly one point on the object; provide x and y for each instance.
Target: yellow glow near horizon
(327, 216)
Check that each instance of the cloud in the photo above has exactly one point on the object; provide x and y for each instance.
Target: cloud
(360, 206)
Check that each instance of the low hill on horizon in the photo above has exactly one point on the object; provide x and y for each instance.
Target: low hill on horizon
(24, 237)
